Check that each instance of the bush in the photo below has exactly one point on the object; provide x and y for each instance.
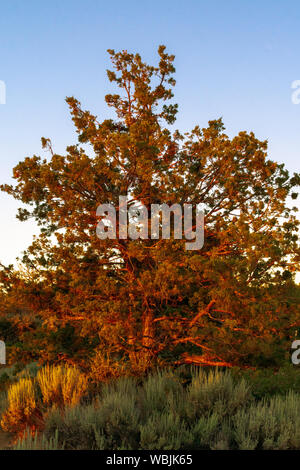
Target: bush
(103, 369)
(268, 382)
(22, 411)
(76, 427)
(61, 385)
(111, 421)
(165, 432)
(213, 410)
(29, 442)
(215, 391)
(27, 398)
(30, 370)
(162, 391)
(160, 413)
(272, 424)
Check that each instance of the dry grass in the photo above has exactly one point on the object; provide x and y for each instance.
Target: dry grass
(22, 408)
(61, 385)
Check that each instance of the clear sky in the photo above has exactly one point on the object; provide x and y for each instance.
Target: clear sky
(235, 59)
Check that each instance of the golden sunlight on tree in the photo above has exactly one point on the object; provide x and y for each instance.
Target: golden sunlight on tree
(134, 304)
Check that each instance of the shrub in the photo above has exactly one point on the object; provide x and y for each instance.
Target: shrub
(165, 432)
(162, 391)
(30, 370)
(269, 382)
(269, 424)
(215, 391)
(103, 368)
(57, 385)
(61, 385)
(22, 411)
(76, 427)
(212, 411)
(111, 421)
(206, 431)
(7, 376)
(119, 411)
(29, 442)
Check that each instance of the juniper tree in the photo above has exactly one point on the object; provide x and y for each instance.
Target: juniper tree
(153, 301)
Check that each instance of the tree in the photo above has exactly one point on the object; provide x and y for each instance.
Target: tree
(152, 301)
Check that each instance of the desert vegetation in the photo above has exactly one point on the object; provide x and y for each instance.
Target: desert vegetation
(103, 335)
(186, 408)
(115, 305)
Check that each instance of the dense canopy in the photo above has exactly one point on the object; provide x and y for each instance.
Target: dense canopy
(131, 304)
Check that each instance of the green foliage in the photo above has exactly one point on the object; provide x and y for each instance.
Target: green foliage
(162, 391)
(66, 341)
(8, 331)
(216, 391)
(270, 424)
(269, 382)
(165, 431)
(76, 427)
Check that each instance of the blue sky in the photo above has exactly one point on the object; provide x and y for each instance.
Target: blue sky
(235, 59)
